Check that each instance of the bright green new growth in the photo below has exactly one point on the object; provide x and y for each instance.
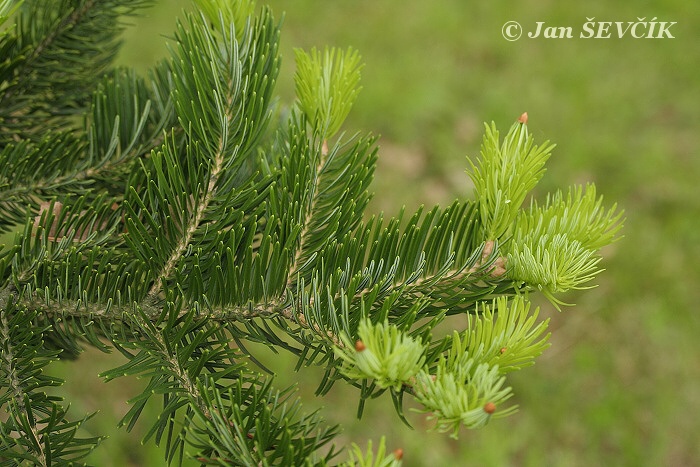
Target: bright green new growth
(327, 84)
(383, 353)
(554, 246)
(504, 337)
(504, 175)
(171, 218)
(506, 333)
(551, 247)
(7, 8)
(580, 214)
(228, 13)
(360, 458)
(467, 396)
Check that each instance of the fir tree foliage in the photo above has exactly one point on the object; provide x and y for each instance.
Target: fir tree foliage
(368, 458)
(178, 217)
(327, 85)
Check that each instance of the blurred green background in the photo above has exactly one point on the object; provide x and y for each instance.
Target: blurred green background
(621, 383)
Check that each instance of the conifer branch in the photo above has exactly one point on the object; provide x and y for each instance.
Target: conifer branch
(65, 24)
(45, 86)
(193, 224)
(94, 311)
(306, 220)
(18, 392)
(175, 223)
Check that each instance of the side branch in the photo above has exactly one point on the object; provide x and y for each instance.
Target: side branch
(309, 213)
(65, 25)
(110, 311)
(15, 386)
(217, 167)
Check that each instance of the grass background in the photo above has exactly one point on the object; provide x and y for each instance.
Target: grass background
(620, 384)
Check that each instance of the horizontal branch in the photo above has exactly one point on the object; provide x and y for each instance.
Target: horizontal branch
(71, 308)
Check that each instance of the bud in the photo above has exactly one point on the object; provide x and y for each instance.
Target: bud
(489, 408)
(398, 454)
(498, 269)
(360, 346)
(523, 118)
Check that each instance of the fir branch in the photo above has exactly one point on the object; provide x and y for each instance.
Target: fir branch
(312, 194)
(190, 228)
(179, 347)
(229, 77)
(382, 353)
(505, 173)
(62, 163)
(16, 391)
(81, 37)
(327, 84)
(505, 334)
(359, 458)
(172, 227)
(36, 430)
(37, 300)
(454, 399)
(554, 246)
(417, 274)
(255, 425)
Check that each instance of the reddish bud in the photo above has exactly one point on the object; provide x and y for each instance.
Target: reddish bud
(503, 350)
(398, 454)
(360, 346)
(523, 118)
(499, 267)
(489, 408)
(488, 249)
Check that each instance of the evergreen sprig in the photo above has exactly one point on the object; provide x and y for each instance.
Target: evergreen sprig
(173, 218)
(368, 458)
(505, 173)
(36, 431)
(327, 84)
(49, 53)
(554, 246)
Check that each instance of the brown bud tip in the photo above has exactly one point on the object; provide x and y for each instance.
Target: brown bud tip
(503, 349)
(523, 118)
(360, 346)
(488, 249)
(398, 454)
(489, 408)
(499, 267)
